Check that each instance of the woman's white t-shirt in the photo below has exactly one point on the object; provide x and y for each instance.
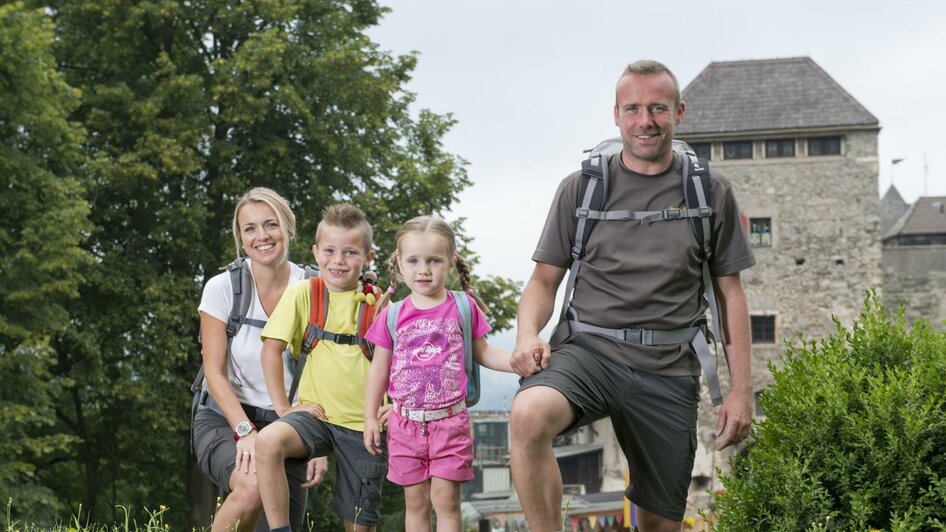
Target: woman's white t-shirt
(244, 367)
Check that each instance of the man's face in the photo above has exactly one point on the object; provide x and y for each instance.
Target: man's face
(646, 113)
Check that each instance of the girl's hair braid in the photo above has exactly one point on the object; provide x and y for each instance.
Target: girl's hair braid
(392, 271)
(464, 272)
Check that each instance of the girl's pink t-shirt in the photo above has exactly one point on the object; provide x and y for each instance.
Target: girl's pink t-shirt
(427, 370)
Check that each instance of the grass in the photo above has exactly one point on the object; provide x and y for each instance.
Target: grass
(155, 523)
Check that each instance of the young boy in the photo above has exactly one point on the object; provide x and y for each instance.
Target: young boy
(330, 415)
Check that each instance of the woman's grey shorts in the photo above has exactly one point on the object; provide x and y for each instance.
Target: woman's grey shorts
(215, 449)
(654, 419)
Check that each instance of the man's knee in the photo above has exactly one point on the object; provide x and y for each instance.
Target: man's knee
(539, 414)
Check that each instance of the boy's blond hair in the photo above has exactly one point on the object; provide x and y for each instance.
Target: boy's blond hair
(346, 216)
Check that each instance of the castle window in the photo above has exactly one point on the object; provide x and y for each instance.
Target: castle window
(704, 150)
(737, 149)
(763, 329)
(779, 148)
(824, 146)
(760, 232)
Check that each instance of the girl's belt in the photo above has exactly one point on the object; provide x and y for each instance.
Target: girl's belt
(429, 415)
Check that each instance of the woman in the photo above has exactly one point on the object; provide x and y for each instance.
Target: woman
(238, 405)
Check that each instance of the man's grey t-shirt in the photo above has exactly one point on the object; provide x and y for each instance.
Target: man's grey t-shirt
(644, 275)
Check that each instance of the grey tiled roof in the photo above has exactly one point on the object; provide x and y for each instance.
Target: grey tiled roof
(927, 216)
(768, 94)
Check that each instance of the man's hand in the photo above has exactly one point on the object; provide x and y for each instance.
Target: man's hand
(532, 355)
(735, 418)
(315, 471)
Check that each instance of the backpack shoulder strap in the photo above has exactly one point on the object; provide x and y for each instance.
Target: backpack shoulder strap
(366, 316)
(318, 308)
(472, 369)
(394, 310)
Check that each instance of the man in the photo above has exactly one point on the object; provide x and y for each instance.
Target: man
(633, 275)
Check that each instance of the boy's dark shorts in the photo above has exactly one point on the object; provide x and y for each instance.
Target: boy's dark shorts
(360, 475)
(654, 419)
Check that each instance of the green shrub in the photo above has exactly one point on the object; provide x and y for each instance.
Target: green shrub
(854, 436)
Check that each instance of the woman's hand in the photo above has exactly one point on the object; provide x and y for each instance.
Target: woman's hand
(246, 453)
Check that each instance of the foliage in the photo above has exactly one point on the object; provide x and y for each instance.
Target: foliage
(184, 106)
(42, 222)
(854, 436)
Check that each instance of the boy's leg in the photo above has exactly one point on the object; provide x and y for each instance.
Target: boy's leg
(360, 476)
(445, 495)
(417, 502)
(274, 444)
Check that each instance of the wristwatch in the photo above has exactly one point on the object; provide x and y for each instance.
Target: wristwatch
(243, 428)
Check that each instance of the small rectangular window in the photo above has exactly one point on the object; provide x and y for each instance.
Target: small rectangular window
(704, 150)
(763, 329)
(737, 149)
(779, 148)
(824, 146)
(760, 232)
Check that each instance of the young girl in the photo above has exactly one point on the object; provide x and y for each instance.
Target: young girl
(425, 378)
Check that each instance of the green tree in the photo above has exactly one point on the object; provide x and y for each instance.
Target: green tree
(42, 222)
(186, 105)
(854, 436)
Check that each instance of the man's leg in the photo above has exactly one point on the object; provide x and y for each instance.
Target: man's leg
(274, 444)
(538, 414)
(651, 522)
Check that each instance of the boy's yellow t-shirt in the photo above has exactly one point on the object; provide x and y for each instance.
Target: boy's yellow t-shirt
(334, 374)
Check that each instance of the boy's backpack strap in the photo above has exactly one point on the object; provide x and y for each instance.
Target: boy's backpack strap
(472, 368)
(366, 316)
(318, 309)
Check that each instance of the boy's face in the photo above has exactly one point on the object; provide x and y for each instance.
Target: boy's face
(341, 256)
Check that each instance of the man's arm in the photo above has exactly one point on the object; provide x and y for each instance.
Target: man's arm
(735, 416)
(535, 309)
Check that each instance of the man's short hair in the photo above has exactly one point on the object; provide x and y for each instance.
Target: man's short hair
(346, 216)
(649, 67)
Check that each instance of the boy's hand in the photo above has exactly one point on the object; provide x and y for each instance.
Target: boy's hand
(315, 409)
(372, 437)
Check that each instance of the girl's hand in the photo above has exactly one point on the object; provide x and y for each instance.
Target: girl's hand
(315, 471)
(246, 453)
(372, 436)
(384, 411)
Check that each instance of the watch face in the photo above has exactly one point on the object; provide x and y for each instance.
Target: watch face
(243, 428)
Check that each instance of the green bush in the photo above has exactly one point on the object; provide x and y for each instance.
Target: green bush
(854, 436)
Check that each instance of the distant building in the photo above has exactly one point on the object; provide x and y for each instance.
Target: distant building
(801, 154)
(914, 256)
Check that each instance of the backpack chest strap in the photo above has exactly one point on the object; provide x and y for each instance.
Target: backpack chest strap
(645, 216)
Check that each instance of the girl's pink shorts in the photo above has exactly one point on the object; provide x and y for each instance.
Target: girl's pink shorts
(418, 451)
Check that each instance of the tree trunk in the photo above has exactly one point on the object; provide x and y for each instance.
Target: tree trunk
(201, 496)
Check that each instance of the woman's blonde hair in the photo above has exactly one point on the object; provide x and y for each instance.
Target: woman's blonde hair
(437, 226)
(279, 205)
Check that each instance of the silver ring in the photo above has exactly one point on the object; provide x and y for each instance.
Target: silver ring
(246, 453)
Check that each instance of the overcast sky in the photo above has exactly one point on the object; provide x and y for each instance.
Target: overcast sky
(531, 83)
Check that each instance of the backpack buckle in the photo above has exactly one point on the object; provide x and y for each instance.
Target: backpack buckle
(673, 213)
(705, 212)
(582, 213)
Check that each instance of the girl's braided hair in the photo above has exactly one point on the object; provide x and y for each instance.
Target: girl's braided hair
(437, 226)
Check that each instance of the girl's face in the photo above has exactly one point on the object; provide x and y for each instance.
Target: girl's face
(261, 234)
(425, 262)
